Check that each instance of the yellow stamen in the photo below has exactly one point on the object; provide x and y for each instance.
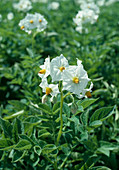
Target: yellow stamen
(40, 20)
(76, 80)
(62, 68)
(42, 71)
(22, 27)
(31, 21)
(48, 90)
(88, 94)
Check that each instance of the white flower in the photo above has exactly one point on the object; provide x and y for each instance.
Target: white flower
(10, 16)
(75, 79)
(33, 21)
(51, 89)
(0, 17)
(45, 68)
(87, 92)
(79, 29)
(23, 5)
(88, 14)
(41, 22)
(91, 6)
(53, 6)
(57, 67)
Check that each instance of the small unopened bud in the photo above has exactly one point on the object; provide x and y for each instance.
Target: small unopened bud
(44, 98)
(88, 94)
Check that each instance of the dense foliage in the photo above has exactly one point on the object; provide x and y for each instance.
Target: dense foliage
(28, 127)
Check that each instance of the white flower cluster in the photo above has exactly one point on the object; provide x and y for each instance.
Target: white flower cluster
(23, 5)
(97, 2)
(74, 78)
(54, 5)
(88, 14)
(33, 21)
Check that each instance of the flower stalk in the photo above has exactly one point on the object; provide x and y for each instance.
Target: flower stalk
(61, 119)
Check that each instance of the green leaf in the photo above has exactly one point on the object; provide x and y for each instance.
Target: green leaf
(27, 138)
(56, 107)
(100, 168)
(17, 129)
(18, 155)
(95, 123)
(102, 114)
(18, 105)
(14, 115)
(90, 162)
(23, 144)
(5, 143)
(104, 150)
(79, 109)
(45, 108)
(7, 128)
(66, 109)
(30, 52)
(43, 133)
(37, 150)
(86, 102)
(8, 148)
(76, 123)
(84, 117)
(49, 148)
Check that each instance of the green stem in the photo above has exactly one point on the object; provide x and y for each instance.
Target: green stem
(66, 95)
(61, 119)
(55, 165)
(33, 39)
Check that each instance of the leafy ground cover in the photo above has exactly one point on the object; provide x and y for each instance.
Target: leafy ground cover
(29, 128)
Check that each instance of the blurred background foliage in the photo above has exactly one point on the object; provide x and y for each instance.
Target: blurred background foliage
(20, 59)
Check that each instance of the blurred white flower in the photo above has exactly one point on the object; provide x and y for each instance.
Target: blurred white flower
(49, 89)
(45, 68)
(53, 5)
(84, 17)
(23, 5)
(33, 21)
(100, 2)
(40, 1)
(0, 17)
(91, 6)
(57, 67)
(10, 16)
(109, 2)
